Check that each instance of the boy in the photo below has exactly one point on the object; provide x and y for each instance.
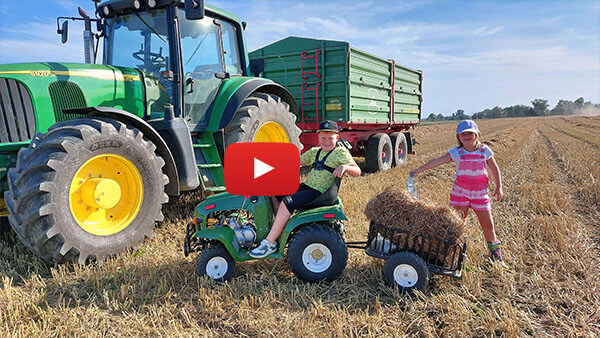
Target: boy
(332, 162)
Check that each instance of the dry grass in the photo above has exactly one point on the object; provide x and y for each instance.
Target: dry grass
(548, 222)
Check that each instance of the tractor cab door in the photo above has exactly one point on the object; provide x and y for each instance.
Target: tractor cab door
(209, 54)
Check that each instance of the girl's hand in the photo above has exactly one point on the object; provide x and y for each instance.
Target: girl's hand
(498, 193)
(339, 171)
(414, 172)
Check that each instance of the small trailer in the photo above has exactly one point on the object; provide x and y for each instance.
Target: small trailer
(374, 100)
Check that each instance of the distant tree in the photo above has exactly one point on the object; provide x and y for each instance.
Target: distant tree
(517, 111)
(540, 107)
(495, 113)
(563, 107)
(431, 117)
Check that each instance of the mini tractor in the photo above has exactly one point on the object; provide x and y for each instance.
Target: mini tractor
(90, 152)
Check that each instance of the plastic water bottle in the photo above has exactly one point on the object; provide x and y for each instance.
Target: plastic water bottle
(411, 186)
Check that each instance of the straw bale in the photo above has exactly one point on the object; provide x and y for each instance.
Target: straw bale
(395, 208)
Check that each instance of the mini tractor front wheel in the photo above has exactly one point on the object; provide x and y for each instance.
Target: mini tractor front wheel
(87, 189)
(216, 263)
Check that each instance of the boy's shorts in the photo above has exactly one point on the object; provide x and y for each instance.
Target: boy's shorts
(478, 200)
(302, 197)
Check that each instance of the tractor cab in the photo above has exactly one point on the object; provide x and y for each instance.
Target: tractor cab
(184, 63)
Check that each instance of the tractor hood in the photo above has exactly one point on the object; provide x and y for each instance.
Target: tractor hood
(44, 89)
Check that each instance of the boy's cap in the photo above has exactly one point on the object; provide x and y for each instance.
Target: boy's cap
(467, 125)
(328, 126)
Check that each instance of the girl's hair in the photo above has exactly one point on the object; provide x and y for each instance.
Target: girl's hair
(478, 143)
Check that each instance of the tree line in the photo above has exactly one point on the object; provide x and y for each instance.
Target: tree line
(539, 107)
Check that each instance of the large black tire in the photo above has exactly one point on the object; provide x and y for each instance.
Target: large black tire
(257, 110)
(317, 253)
(400, 148)
(216, 263)
(39, 190)
(406, 271)
(378, 153)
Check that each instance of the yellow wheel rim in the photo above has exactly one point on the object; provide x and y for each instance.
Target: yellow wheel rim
(271, 132)
(106, 194)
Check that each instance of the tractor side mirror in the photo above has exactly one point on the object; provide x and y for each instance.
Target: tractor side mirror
(64, 31)
(194, 9)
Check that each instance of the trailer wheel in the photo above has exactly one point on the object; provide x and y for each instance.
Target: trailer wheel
(400, 148)
(263, 118)
(87, 189)
(379, 151)
(407, 271)
(317, 253)
(216, 263)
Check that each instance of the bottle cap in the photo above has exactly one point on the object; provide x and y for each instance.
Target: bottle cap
(412, 174)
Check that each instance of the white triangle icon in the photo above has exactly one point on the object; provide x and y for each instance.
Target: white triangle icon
(261, 168)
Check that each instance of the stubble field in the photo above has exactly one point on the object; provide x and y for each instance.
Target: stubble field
(548, 221)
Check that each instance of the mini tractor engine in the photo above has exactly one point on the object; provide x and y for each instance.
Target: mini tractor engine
(90, 152)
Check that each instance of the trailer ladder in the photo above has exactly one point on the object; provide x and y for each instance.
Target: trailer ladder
(305, 86)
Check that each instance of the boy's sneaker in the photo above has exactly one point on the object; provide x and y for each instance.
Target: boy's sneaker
(264, 249)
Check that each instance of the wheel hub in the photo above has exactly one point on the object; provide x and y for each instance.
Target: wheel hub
(317, 258)
(216, 267)
(106, 194)
(405, 275)
(271, 132)
(101, 193)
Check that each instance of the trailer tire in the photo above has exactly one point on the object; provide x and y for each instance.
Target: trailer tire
(400, 148)
(378, 153)
(263, 118)
(407, 271)
(77, 164)
(317, 253)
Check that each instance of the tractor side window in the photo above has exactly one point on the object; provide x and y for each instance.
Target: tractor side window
(231, 49)
(201, 59)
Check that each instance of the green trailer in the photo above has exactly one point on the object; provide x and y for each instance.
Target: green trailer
(374, 100)
(90, 152)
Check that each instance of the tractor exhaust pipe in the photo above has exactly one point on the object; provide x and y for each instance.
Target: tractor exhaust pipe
(88, 37)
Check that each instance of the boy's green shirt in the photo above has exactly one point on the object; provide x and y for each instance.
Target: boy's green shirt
(321, 179)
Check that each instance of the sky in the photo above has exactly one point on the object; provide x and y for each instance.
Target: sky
(474, 54)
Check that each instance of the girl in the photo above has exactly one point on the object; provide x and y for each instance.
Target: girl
(470, 188)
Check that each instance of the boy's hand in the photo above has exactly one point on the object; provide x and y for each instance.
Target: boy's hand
(339, 171)
(498, 193)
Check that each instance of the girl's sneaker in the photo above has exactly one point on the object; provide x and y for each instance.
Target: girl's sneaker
(496, 253)
(264, 249)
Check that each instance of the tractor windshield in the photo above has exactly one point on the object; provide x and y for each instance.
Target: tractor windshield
(141, 40)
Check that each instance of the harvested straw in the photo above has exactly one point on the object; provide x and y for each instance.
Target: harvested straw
(395, 208)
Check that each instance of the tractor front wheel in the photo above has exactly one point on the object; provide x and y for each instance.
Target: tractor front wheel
(87, 189)
(317, 253)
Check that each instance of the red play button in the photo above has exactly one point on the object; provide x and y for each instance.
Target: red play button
(262, 169)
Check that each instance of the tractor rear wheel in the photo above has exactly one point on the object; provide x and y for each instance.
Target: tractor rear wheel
(317, 253)
(87, 189)
(263, 118)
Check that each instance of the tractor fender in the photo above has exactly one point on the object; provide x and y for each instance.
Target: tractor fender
(249, 87)
(170, 169)
(317, 215)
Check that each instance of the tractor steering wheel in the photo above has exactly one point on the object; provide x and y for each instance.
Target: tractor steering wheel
(156, 59)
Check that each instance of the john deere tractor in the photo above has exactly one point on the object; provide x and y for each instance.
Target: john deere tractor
(90, 152)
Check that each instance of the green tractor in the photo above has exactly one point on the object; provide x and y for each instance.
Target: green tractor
(90, 152)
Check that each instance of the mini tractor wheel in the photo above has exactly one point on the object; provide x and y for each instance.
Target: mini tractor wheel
(216, 263)
(317, 253)
(407, 271)
(263, 118)
(87, 189)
